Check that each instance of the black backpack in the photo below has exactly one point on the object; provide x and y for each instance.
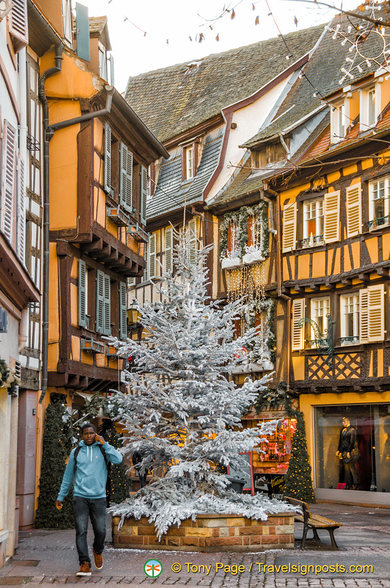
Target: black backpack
(108, 466)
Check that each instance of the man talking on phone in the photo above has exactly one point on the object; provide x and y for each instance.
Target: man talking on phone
(87, 466)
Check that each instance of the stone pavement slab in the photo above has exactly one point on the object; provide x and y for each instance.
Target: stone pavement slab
(47, 558)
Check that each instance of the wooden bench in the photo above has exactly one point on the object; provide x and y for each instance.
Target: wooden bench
(313, 521)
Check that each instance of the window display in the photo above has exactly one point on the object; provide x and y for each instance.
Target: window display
(353, 447)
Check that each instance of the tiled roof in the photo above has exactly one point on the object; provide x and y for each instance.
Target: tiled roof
(322, 77)
(174, 99)
(171, 192)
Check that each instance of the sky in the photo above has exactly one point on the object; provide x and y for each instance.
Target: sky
(150, 34)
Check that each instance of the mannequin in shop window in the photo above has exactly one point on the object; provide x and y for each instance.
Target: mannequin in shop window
(348, 454)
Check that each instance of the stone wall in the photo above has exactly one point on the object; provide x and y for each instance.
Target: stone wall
(209, 533)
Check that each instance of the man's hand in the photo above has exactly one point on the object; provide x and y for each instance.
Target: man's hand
(100, 439)
(58, 504)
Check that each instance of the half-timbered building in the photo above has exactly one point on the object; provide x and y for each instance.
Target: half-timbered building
(334, 278)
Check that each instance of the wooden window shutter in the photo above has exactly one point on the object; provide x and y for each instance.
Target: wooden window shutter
(298, 326)
(126, 178)
(18, 27)
(9, 172)
(21, 240)
(107, 158)
(192, 240)
(363, 316)
(354, 210)
(123, 310)
(82, 293)
(168, 249)
(332, 217)
(99, 302)
(152, 257)
(289, 227)
(144, 193)
(107, 305)
(376, 323)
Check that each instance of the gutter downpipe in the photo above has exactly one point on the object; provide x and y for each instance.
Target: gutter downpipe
(49, 131)
(279, 280)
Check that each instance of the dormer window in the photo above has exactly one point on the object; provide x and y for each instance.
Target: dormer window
(188, 162)
(339, 121)
(369, 107)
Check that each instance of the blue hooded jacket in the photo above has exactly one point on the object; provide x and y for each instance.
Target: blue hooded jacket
(91, 471)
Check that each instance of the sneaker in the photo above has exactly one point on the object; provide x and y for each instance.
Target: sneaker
(98, 557)
(85, 569)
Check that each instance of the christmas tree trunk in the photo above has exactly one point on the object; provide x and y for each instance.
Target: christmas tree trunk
(52, 469)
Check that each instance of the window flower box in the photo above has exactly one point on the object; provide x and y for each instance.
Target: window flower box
(252, 255)
(229, 262)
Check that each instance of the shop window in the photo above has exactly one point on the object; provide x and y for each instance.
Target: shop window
(276, 452)
(379, 195)
(320, 308)
(349, 316)
(369, 469)
(313, 222)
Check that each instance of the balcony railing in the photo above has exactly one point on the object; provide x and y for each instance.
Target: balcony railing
(312, 241)
(349, 340)
(380, 221)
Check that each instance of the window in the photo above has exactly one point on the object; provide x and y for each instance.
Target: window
(369, 107)
(320, 308)
(67, 20)
(313, 222)
(255, 232)
(379, 194)
(339, 121)
(349, 317)
(233, 244)
(188, 162)
(103, 303)
(103, 62)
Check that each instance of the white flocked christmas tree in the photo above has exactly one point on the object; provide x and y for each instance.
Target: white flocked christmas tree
(182, 413)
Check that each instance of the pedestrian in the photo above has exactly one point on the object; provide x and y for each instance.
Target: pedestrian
(87, 466)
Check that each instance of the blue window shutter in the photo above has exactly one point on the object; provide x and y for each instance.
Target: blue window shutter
(82, 32)
(82, 293)
(100, 301)
(123, 310)
(144, 193)
(126, 178)
(107, 305)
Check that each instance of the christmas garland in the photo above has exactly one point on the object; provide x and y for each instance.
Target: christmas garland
(240, 218)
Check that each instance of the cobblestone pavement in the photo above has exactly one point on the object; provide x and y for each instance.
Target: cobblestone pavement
(45, 558)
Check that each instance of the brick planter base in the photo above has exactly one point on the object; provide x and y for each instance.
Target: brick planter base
(209, 533)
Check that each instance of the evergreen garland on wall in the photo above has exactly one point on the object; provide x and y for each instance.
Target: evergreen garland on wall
(52, 469)
(240, 217)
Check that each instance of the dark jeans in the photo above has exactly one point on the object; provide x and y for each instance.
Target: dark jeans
(96, 510)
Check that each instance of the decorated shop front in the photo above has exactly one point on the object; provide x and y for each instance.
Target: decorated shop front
(270, 464)
(349, 446)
